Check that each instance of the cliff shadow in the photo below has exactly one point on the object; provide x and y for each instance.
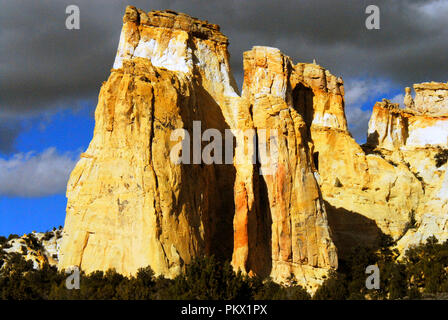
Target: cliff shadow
(260, 230)
(372, 140)
(209, 190)
(302, 100)
(351, 229)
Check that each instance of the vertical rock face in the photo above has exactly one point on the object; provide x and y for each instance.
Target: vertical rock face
(181, 44)
(414, 136)
(431, 98)
(130, 206)
(408, 100)
(391, 128)
(365, 195)
(388, 126)
(282, 212)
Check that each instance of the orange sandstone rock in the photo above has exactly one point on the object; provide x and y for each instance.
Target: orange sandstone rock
(289, 208)
(129, 206)
(412, 137)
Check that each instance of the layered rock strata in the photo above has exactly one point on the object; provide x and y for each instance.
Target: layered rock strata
(129, 206)
(365, 195)
(414, 136)
(281, 212)
(320, 194)
(431, 98)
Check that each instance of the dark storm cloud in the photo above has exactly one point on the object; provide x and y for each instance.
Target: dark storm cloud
(8, 134)
(43, 65)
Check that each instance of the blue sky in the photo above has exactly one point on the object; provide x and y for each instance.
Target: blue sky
(61, 136)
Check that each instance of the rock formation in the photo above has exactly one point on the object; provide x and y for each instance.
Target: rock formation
(408, 100)
(36, 247)
(289, 219)
(321, 194)
(129, 206)
(431, 98)
(365, 195)
(413, 137)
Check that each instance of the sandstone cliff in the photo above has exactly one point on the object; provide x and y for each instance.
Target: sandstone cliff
(129, 206)
(365, 195)
(414, 136)
(282, 213)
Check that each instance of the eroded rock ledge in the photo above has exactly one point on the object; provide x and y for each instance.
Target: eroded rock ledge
(413, 136)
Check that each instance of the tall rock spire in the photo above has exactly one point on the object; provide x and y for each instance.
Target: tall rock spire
(129, 206)
(289, 219)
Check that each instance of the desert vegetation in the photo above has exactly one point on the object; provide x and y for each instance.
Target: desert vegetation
(421, 273)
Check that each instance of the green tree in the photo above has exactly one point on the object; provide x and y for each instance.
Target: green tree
(333, 288)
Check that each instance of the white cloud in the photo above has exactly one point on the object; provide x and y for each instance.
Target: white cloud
(434, 9)
(399, 98)
(358, 92)
(36, 175)
(358, 121)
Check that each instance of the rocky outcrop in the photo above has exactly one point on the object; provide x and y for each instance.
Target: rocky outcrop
(408, 100)
(129, 206)
(365, 194)
(431, 98)
(312, 197)
(414, 136)
(288, 218)
(37, 247)
(392, 128)
(182, 44)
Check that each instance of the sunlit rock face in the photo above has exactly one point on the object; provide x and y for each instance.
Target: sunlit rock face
(182, 44)
(391, 127)
(414, 136)
(281, 225)
(365, 195)
(431, 98)
(129, 206)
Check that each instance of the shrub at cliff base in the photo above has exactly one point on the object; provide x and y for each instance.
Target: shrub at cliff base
(422, 272)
